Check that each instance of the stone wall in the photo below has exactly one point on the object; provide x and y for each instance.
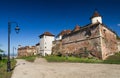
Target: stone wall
(109, 42)
(22, 52)
(87, 39)
(95, 39)
(90, 45)
(57, 47)
(26, 51)
(82, 34)
(118, 45)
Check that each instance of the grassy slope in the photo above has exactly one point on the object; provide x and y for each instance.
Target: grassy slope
(71, 59)
(3, 68)
(28, 58)
(114, 59)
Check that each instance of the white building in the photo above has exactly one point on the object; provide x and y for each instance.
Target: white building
(46, 40)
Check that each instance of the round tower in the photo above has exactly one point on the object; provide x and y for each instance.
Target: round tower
(96, 17)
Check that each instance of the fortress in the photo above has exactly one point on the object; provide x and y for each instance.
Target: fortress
(95, 39)
(92, 40)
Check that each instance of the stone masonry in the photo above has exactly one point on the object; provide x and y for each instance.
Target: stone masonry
(96, 39)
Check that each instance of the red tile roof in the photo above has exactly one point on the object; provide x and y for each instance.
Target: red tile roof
(86, 27)
(46, 34)
(77, 27)
(95, 14)
(65, 32)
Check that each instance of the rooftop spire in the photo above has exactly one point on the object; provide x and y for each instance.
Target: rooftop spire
(95, 14)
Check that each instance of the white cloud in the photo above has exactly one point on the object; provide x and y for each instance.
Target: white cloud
(118, 24)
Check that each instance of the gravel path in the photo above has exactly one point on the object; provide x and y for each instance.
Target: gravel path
(42, 69)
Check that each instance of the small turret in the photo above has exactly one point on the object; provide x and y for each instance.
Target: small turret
(96, 17)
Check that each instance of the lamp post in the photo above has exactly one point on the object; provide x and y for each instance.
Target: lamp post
(13, 51)
(9, 31)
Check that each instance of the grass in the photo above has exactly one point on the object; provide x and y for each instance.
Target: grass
(114, 59)
(71, 59)
(3, 68)
(29, 58)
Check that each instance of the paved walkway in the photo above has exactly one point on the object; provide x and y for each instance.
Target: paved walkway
(42, 69)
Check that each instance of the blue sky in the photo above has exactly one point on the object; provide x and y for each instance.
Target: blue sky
(37, 16)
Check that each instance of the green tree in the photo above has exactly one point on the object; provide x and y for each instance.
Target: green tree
(1, 50)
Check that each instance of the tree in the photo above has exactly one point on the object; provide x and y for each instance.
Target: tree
(1, 50)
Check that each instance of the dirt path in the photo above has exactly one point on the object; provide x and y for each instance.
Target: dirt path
(42, 69)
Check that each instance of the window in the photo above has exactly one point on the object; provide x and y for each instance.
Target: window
(88, 33)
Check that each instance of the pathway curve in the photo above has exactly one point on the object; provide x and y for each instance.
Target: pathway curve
(42, 69)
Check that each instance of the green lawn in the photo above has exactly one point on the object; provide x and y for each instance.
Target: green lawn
(3, 68)
(114, 59)
(29, 58)
(71, 59)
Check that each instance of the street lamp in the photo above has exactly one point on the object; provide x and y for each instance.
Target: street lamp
(9, 31)
(13, 51)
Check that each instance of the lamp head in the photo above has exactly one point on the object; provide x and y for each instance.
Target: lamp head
(17, 29)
